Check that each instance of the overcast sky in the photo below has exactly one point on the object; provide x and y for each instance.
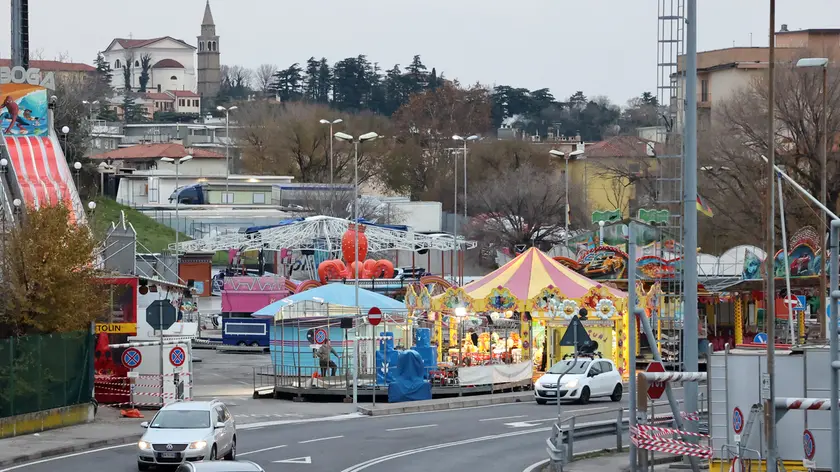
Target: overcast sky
(603, 47)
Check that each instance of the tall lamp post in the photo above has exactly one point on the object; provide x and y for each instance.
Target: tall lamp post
(65, 130)
(566, 157)
(332, 165)
(456, 137)
(823, 63)
(90, 107)
(177, 163)
(78, 168)
(227, 145)
(350, 139)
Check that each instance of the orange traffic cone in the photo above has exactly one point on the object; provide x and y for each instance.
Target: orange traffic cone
(131, 413)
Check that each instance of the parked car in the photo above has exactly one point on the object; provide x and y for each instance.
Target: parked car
(235, 466)
(582, 380)
(186, 432)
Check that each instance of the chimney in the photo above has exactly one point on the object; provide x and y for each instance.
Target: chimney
(784, 28)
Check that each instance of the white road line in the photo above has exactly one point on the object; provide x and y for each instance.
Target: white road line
(319, 439)
(503, 418)
(536, 465)
(412, 427)
(379, 460)
(260, 450)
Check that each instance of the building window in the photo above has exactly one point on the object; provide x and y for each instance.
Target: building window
(158, 88)
(180, 102)
(201, 46)
(195, 103)
(259, 198)
(136, 63)
(174, 77)
(117, 64)
(704, 90)
(227, 197)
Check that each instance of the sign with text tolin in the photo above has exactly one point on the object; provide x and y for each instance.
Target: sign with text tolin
(116, 328)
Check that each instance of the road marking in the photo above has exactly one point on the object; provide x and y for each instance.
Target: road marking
(319, 439)
(412, 427)
(379, 460)
(261, 450)
(536, 465)
(296, 460)
(28, 464)
(504, 418)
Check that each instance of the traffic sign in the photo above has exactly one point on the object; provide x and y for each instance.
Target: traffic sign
(801, 303)
(177, 356)
(760, 338)
(161, 314)
(808, 444)
(374, 316)
(737, 420)
(575, 332)
(320, 336)
(656, 389)
(132, 358)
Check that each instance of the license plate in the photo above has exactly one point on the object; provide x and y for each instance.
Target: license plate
(550, 393)
(169, 455)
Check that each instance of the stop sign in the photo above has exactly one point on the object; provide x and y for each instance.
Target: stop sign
(374, 316)
(656, 389)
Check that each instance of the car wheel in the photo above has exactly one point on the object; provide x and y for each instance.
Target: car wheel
(540, 401)
(231, 455)
(584, 396)
(616, 395)
(142, 466)
(241, 343)
(255, 344)
(213, 453)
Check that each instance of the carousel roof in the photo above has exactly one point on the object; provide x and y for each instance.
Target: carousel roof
(527, 277)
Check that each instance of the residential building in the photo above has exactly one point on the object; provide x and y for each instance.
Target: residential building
(722, 73)
(209, 61)
(143, 157)
(208, 133)
(186, 101)
(62, 71)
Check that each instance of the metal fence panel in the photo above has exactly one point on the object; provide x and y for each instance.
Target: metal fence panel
(41, 372)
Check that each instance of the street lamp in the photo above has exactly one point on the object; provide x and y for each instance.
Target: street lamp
(823, 63)
(65, 130)
(177, 163)
(78, 166)
(332, 188)
(90, 107)
(455, 205)
(566, 157)
(350, 139)
(227, 144)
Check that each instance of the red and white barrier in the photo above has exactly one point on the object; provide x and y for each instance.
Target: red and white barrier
(675, 376)
(645, 429)
(690, 416)
(652, 438)
(166, 341)
(803, 404)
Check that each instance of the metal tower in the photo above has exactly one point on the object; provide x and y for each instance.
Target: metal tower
(670, 45)
(20, 33)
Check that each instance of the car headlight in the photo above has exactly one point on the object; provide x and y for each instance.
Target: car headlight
(572, 383)
(198, 445)
(144, 446)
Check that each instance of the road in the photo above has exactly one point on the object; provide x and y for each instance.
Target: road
(501, 438)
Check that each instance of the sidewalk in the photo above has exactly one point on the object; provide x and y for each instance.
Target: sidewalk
(107, 430)
(444, 403)
(609, 462)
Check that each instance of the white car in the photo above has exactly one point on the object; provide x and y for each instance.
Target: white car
(582, 380)
(187, 431)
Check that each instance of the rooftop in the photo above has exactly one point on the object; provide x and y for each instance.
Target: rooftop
(141, 43)
(157, 151)
(54, 66)
(168, 64)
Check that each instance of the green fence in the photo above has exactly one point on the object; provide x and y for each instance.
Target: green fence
(41, 372)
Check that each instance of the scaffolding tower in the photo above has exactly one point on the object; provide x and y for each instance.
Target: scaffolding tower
(669, 180)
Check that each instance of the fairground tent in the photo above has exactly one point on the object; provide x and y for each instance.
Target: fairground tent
(333, 299)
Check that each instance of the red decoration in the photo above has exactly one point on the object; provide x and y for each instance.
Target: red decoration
(370, 269)
(348, 243)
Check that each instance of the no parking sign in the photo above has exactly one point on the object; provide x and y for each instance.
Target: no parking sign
(737, 420)
(132, 358)
(177, 356)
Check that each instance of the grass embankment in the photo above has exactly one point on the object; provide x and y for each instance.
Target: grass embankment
(151, 235)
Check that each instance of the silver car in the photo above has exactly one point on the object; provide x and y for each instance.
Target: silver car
(186, 432)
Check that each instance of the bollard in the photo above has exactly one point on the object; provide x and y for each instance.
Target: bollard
(618, 430)
(570, 440)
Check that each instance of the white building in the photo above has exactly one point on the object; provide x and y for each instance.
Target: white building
(172, 64)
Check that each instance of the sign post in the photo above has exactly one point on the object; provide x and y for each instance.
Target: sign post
(374, 318)
(656, 389)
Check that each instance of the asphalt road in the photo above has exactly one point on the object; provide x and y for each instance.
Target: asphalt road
(503, 438)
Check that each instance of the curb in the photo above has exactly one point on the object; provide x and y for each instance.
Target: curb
(450, 405)
(119, 441)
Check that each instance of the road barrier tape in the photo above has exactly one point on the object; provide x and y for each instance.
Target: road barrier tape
(151, 343)
(690, 416)
(157, 376)
(120, 405)
(692, 450)
(117, 384)
(155, 394)
(644, 429)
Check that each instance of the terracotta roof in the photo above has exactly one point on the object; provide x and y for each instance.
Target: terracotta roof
(168, 64)
(620, 146)
(54, 66)
(157, 151)
(139, 43)
(184, 94)
(160, 96)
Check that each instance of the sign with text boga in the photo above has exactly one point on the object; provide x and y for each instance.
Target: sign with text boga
(24, 101)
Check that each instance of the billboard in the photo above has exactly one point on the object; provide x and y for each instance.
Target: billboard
(24, 101)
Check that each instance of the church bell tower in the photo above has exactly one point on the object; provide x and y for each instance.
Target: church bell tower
(208, 64)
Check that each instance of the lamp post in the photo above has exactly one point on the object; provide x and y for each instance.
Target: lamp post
(65, 130)
(456, 137)
(566, 157)
(350, 139)
(332, 165)
(78, 167)
(821, 62)
(90, 107)
(177, 163)
(227, 145)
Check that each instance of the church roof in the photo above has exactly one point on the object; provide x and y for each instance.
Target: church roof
(208, 16)
(168, 64)
(141, 43)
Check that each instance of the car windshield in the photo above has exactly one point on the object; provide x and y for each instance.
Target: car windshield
(181, 419)
(570, 366)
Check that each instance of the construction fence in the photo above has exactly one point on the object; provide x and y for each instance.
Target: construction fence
(41, 372)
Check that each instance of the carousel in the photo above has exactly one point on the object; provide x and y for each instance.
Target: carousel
(537, 295)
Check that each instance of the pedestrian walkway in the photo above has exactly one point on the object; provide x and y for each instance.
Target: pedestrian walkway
(382, 409)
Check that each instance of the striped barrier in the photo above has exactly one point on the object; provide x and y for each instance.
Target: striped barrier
(117, 384)
(151, 343)
(675, 376)
(803, 404)
(690, 416)
(658, 429)
(651, 438)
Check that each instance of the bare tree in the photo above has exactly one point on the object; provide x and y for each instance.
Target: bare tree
(264, 77)
(240, 77)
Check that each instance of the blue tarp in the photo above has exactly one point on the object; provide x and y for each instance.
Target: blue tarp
(336, 294)
(409, 384)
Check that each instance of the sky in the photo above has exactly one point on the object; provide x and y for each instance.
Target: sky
(602, 47)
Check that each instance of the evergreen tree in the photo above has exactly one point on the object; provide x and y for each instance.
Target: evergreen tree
(104, 73)
(289, 83)
(433, 79)
(107, 113)
(417, 72)
(131, 112)
(311, 87)
(324, 81)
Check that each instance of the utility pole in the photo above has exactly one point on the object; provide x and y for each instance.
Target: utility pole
(20, 33)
